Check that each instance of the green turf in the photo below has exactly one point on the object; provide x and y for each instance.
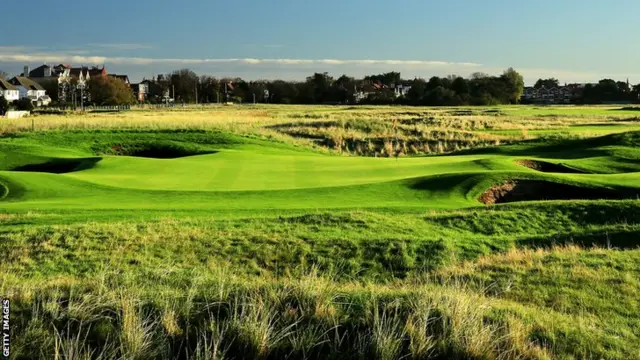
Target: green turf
(74, 171)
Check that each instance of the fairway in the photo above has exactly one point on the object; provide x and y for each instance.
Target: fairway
(246, 174)
(493, 230)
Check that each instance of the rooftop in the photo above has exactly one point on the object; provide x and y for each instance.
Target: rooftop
(5, 85)
(26, 83)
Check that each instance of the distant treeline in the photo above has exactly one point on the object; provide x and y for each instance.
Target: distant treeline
(388, 88)
(604, 91)
(321, 88)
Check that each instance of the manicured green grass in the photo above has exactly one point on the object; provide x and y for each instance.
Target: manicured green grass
(166, 240)
(238, 174)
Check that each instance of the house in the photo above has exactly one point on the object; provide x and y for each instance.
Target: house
(43, 71)
(369, 88)
(70, 81)
(366, 89)
(555, 95)
(74, 81)
(89, 72)
(140, 91)
(8, 91)
(401, 89)
(123, 78)
(63, 72)
(155, 92)
(31, 90)
(529, 94)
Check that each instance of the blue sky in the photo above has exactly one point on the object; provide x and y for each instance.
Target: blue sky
(573, 40)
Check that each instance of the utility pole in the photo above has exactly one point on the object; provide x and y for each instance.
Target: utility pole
(196, 91)
(174, 92)
(254, 98)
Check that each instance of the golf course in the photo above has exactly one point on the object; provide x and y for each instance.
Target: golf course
(311, 232)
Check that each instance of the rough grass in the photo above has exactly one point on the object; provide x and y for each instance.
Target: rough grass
(359, 130)
(223, 315)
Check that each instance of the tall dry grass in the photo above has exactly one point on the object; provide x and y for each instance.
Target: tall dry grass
(306, 318)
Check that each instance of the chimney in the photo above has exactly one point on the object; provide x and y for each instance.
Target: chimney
(26, 71)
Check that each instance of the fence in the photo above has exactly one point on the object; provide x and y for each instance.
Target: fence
(108, 108)
(71, 108)
(86, 108)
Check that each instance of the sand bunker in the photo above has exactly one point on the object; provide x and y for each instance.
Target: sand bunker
(537, 190)
(547, 167)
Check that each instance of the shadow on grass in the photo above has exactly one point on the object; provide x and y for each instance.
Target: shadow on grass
(60, 166)
(560, 148)
(627, 108)
(153, 149)
(619, 239)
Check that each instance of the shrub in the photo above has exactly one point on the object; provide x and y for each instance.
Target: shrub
(24, 104)
(4, 105)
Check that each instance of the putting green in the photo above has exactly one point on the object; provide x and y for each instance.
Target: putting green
(246, 174)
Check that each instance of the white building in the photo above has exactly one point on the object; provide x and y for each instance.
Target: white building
(401, 90)
(31, 90)
(8, 91)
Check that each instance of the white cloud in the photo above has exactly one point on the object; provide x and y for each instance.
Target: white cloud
(11, 54)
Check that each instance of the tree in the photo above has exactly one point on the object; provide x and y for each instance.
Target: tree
(258, 88)
(547, 83)
(635, 93)
(417, 91)
(320, 86)
(623, 87)
(381, 97)
(24, 104)
(344, 89)
(159, 89)
(184, 82)
(479, 75)
(4, 75)
(434, 83)
(110, 91)
(4, 105)
(460, 86)
(386, 78)
(515, 85)
(51, 87)
(282, 92)
(208, 89)
(440, 96)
